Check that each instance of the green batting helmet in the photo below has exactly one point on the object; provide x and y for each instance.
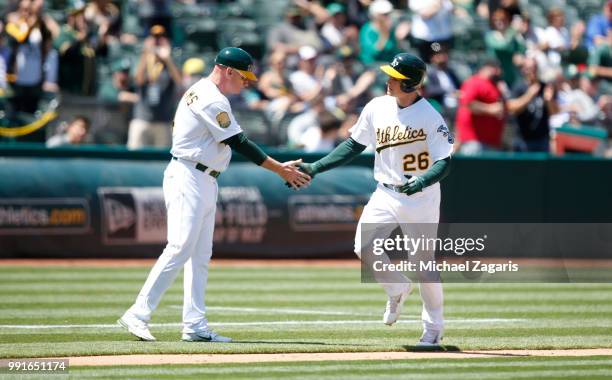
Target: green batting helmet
(408, 68)
(238, 59)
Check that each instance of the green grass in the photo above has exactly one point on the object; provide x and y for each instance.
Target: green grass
(490, 368)
(297, 309)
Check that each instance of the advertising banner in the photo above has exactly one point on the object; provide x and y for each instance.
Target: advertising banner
(110, 204)
(35, 216)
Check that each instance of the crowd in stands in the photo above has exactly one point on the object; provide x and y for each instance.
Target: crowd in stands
(506, 74)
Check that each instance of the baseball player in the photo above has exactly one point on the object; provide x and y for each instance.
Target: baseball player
(411, 140)
(204, 134)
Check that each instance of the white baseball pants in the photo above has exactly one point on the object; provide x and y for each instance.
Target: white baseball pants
(387, 210)
(191, 198)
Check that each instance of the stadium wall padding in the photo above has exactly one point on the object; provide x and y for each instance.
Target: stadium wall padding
(103, 202)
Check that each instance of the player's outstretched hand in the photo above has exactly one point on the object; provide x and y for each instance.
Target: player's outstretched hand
(307, 168)
(414, 185)
(304, 168)
(293, 176)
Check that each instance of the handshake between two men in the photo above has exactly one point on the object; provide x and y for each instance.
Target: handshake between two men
(294, 174)
(310, 170)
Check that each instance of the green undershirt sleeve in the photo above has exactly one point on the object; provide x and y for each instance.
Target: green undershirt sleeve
(241, 144)
(341, 155)
(437, 172)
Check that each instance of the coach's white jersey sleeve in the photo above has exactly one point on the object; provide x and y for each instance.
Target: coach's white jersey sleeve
(203, 119)
(220, 121)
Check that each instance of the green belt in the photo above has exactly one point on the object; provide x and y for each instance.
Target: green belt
(204, 168)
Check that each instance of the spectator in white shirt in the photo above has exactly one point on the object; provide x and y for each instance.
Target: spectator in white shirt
(322, 135)
(335, 31)
(431, 22)
(305, 81)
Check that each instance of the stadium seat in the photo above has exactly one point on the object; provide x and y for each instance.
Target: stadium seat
(255, 124)
(181, 10)
(585, 139)
(269, 12)
(250, 42)
(204, 33)
(239, 24)
(243, 33)
(230, 10)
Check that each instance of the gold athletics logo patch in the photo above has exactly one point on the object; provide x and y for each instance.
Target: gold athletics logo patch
(396, 135)
(223, 119)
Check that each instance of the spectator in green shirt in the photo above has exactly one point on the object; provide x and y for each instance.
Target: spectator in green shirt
(119, 93)
(120, 88)
(503, 43)
(378, 38)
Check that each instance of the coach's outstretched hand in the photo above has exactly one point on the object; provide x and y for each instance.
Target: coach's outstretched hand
(414, 185)
(293, 175)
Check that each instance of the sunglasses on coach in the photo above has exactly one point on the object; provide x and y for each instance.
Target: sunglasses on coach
(245, 80)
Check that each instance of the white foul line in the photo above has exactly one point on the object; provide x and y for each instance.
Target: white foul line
(262, 310)
(265, 323)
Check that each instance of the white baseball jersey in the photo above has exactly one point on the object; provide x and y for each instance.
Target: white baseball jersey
(407, 141)
(203, 119)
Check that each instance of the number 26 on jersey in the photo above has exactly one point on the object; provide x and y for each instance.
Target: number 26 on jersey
(416, 162)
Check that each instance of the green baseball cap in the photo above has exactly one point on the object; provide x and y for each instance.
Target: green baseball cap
(406, 67)
(335, 8)
(238, 59)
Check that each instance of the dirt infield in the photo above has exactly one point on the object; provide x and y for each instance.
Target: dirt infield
(121, 360)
